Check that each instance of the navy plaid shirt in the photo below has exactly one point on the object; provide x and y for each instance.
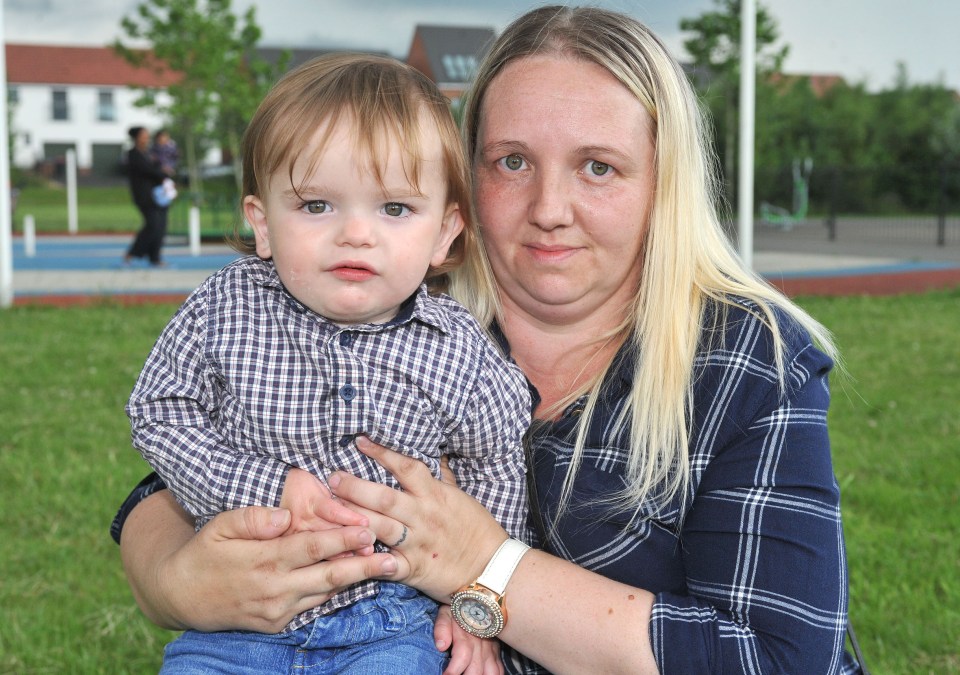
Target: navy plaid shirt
(750, 574)
(245, 382)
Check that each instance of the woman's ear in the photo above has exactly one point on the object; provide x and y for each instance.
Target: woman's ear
(257, 217)
(450, 228)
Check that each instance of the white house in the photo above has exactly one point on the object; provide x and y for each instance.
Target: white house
(82, 98)
(75, 97)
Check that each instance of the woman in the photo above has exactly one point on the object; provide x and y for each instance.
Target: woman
(680, 464)
(145, 173)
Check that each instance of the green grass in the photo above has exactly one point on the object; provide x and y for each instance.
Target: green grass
(111, 210)
(66, 463)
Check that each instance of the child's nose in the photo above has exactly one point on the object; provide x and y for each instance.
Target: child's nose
(356, 231)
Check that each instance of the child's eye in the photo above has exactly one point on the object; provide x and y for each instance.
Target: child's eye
(318, 206)
(396, 209)
(598, 168)
(513, 162)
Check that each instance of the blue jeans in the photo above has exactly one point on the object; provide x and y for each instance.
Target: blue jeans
(390, 633)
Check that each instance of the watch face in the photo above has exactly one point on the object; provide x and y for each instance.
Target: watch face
(477, 613)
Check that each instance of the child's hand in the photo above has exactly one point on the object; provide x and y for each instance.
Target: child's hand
(469, 654)
(312, 507)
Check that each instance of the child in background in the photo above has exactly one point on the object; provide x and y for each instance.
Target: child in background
(165, 151)
(356, 189)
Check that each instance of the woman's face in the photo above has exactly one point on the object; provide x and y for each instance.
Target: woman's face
(564, 175)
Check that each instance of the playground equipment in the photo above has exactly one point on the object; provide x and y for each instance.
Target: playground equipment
(777, 216)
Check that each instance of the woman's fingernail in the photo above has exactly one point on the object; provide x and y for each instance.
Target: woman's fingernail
(333, 481)
(389, 566)
(366, 537)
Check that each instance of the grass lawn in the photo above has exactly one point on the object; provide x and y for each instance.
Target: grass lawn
(111, 209)
(66, 463)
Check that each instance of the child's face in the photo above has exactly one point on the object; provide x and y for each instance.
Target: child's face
(346, 248)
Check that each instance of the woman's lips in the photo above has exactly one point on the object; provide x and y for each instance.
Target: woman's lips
(551, 253)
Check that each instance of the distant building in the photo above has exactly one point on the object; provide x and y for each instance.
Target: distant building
(820, 83)
(77, 98)
(449, 55)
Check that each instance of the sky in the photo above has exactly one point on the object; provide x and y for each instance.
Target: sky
(862, 40)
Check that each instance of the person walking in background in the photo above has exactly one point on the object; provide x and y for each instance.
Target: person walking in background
(145, 174)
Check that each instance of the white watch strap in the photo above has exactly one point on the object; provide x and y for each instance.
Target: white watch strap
(498, 571)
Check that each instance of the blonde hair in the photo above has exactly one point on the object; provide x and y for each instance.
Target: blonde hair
(688, 262)
(383, 98)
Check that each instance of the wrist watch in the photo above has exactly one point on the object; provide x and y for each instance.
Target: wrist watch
(478, 607)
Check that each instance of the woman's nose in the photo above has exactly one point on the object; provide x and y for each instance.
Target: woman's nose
(551, 205)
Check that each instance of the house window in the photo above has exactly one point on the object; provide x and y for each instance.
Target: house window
(13, 95)
(106, 111)
(459, 68)
(60, 109)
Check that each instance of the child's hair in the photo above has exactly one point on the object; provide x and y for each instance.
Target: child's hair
(383, 99)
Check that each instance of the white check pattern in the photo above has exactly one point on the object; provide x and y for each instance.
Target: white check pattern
(245, 382)
(750, 576)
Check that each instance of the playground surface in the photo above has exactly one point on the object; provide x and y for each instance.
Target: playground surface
(78, 269)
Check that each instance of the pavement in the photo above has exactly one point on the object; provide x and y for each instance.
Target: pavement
(67, 269)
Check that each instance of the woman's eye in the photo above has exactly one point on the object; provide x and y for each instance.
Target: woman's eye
(396, 209)
(598, 168)
(315, 207)
(513, 162)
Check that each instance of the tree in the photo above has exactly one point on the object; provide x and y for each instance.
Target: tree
(221, 77)
(715, 48)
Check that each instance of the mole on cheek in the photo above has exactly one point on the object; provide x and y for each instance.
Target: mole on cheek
(631, 597)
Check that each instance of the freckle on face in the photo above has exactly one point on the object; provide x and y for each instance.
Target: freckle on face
(631, 597)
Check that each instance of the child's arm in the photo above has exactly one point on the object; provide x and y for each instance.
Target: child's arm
(172, 412)
(487, 454)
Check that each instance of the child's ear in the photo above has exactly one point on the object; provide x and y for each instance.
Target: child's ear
(450, 228)
(254, 213)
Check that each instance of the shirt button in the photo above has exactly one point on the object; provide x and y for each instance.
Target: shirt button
(346, 339)
(348, 392)
(345, 441)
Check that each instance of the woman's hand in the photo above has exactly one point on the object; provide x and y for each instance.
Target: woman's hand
(450, 537)
(237, 572)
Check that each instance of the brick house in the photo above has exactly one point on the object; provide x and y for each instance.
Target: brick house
(449, 55)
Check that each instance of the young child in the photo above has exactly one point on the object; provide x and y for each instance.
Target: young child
(165, 151)
(356, 189)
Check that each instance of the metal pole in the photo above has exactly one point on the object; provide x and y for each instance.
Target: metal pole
(29, 236)
(748, 47)
(6, 218)
(193, 230)
(72, 191)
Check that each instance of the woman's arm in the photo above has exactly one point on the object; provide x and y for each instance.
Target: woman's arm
(236, 573)
(566, 618)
